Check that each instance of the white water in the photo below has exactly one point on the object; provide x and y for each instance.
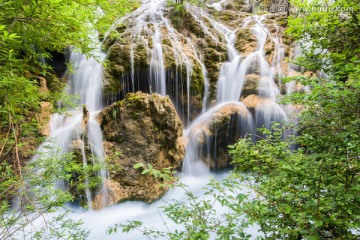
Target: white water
(149, 21)
(199, 135)
(157, 67)
(231, 81)
(218, 5)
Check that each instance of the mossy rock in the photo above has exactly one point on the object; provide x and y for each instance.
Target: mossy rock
(197, 80)
(245, 40)
(168, 55)
(250, 85)
(145, 129)
(235, 5)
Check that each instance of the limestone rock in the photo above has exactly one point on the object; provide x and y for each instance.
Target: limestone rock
(43, 118)
(250, 85)
(43, 85)
(144, 129)
(228, 122)
(252, 101)
(246, 42)
(265, 111)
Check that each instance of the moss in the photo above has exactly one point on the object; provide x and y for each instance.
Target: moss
(111, 38)
(166, 41)
(140, 57)
(244, 38)
(119, 55)
(235, 5)
(283, 21)
(114, 36)
(182, 20)
(121, 28)
(132, 97)
(212, 61)
(197, 80)
(177, 16)
(226, 16)
(194, 27)
(168, 55)
(149, 42)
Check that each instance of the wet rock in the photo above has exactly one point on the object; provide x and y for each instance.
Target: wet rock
(250, 85)
(252, 101)
(265, 111)
(246, 42)
(124, 74)
(146, 129)
(86, 117)
(224, 125)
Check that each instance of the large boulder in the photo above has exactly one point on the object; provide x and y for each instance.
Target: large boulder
(145, 129)
(212, 133)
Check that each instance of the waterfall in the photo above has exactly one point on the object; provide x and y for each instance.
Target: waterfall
(157, 67)
(86, 80)
(229, 87)
(200, 136)
(199, 59)
(221, 120)
(224, 115)
(70, 131)
(149, 27)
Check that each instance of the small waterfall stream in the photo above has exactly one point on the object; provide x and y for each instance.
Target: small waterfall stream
(78, 128)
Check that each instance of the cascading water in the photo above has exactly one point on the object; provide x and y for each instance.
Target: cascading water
(230, 83)
(149, 27)
(200, 135)
(157, 68)
(199, 59)
(70, 131)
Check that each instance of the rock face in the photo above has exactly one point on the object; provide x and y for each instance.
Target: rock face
(232, 123)
(229, 122)
(146, 129)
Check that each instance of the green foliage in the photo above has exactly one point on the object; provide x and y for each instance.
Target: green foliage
(165, 175)
(335, 44)
(37, 196)
(53, 25)
(179, 16)
(29, 31)
(312, 192)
